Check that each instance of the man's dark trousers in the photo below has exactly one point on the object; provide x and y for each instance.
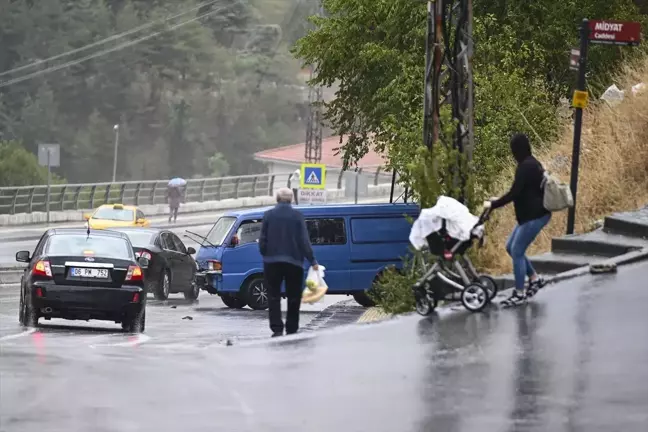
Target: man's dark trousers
(275, 274)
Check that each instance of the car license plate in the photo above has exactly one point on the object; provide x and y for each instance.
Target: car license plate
(89, 273)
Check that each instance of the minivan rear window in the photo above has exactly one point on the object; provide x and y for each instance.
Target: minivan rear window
(380, 230)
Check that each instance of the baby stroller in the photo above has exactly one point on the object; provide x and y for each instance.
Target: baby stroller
(452, 273)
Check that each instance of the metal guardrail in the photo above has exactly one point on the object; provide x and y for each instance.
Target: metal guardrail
(28, 199)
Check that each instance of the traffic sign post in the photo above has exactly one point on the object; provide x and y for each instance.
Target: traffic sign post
(49, 155)
(598, 32)
(312, 176)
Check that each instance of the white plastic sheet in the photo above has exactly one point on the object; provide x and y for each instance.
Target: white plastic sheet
(459, 221)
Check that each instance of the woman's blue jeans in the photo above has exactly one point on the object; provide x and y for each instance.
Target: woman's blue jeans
(517, 245)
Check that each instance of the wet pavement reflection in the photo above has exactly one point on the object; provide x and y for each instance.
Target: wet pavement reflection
(573, 359)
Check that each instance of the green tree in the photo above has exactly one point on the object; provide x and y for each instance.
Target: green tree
(19, 167)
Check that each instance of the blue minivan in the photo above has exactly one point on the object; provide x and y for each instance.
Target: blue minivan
(354, 242)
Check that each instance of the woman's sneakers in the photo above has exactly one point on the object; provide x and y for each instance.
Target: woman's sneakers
(535, 286)
(517, 297)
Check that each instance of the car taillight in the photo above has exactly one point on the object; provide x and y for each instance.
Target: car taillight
(42, 268)
(143, 254)
(213, 265)
(39, 292)
(134, 273)
(136, 298)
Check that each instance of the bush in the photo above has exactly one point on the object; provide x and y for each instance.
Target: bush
(393, 291)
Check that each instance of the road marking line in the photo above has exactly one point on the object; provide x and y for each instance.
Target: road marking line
(17, 335)
(134, 341)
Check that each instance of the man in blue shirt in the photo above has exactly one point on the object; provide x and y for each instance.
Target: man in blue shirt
(284, 244)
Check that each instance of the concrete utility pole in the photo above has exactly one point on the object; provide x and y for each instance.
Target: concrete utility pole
(448, 76)
(313, 147)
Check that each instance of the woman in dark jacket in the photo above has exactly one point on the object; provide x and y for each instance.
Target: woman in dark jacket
(527, 196)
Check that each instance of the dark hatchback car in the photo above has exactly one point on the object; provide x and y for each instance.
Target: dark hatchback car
(77, 275)
(171, 269)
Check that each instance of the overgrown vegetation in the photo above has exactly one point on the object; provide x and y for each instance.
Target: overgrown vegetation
(613, 173)
(224, 83)
(374, 50)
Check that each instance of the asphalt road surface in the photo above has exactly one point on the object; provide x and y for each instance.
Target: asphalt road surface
(572, 359)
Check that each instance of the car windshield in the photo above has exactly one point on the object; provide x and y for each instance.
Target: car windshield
(111, 213)
(82, 245)
(220, 229)
(139, 238)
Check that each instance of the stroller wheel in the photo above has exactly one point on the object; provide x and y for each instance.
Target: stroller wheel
(475, 297)
(490, 285)
(424, 306)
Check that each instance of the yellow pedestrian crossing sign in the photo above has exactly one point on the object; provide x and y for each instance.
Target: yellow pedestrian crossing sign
(312, 176)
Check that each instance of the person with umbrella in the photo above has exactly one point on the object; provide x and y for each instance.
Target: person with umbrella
(174, 196)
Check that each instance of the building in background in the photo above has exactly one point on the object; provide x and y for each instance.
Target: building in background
(284, 160)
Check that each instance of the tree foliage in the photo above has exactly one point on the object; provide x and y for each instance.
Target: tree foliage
(18, 167)
(374, 50)
(224, 83)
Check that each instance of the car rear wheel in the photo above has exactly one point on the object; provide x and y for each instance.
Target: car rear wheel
(233, 301)
(135, 324)
(256, 293)
(193, 292)
(162, 290)
(28, 316)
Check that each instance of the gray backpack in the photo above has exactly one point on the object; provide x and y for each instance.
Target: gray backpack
(557, 195)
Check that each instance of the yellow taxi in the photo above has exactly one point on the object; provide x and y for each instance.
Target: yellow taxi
(116, 215)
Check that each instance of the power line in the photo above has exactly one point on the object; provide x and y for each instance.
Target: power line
(108, 39)
(104, 52)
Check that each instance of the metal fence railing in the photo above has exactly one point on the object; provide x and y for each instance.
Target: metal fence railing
(28, 199)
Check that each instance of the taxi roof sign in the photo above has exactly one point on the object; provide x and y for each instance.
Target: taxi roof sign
(312, 176)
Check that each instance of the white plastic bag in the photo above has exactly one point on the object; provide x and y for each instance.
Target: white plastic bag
(315, 285)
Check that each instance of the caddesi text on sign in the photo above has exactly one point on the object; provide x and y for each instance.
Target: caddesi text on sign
(615, 32)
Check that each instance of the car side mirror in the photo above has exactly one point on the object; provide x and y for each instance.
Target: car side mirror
(23, 256)
(143, 262)
(86, 216)
(234, 241)
(191, 251)
(141, 221)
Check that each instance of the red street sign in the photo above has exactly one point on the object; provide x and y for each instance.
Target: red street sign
(615, 32)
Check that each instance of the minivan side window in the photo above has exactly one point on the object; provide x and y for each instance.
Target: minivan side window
(327, 231)
(249, 231)
(393, 229)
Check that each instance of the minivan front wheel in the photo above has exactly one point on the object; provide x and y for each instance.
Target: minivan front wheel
(256, 293)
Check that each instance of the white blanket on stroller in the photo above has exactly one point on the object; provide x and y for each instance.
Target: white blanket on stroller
(459, 221)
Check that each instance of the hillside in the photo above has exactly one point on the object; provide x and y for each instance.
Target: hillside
(613, 170)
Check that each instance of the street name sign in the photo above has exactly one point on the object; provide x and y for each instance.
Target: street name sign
(312, 196)
(614, 32)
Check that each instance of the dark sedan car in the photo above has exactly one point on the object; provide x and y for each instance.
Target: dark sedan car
(77, 275)
(171, 269)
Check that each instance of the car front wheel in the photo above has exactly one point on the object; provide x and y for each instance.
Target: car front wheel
(193, 292)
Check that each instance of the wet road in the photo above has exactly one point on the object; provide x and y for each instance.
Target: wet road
(573, 359)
